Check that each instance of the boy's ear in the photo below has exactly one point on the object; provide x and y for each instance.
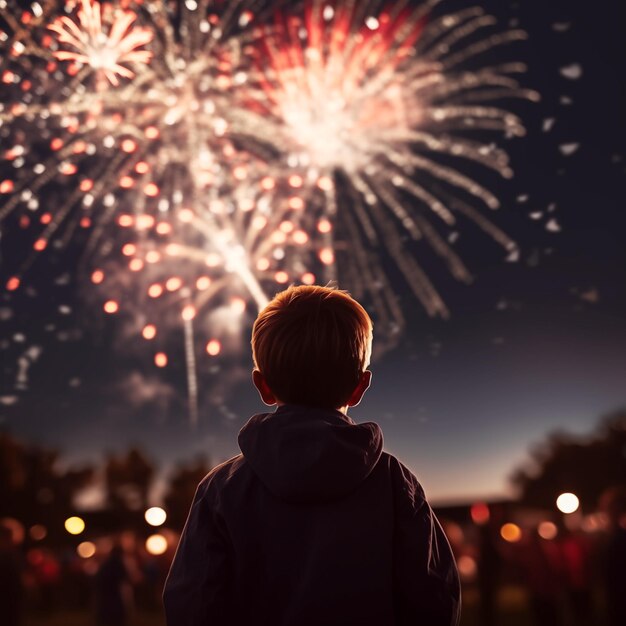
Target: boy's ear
(265, 392)
(361, 388)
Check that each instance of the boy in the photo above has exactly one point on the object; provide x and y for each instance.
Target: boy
(313, 524)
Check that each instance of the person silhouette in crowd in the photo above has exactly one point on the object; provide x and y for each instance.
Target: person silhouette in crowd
(613, 502)
(10, 580)
(111, 583)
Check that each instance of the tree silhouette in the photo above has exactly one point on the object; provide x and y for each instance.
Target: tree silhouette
(181, 489)
(585, 466)
(35, 487)
(127, 481)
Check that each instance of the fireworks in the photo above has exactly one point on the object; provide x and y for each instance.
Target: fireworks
(372, 111)
(102, 50)
(215, 155)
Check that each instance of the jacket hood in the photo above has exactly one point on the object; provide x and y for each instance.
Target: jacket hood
(304, 454)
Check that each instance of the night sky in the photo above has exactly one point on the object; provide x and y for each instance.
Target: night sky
(531, 346)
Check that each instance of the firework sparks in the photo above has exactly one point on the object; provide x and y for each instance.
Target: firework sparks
(238, 157)
(155, 141)
(107, 50)
(371, 112)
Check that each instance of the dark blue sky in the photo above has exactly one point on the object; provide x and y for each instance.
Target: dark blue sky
(530, 347)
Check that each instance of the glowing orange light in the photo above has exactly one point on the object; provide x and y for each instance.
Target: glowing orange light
(156, 545)
(308, 278)
(40, 245)
(240, 172)
(160, 359)
(286, 226)
(155, 290)
(327, 256)
(204, 282)
(188, 312)
(6, 186)
(128, 145)
(174, 283)
(281, 277)
(324, 226)
(296, 203)
(547, 530)
(151, 190)
(172, 249)
(163, 228)
(68, 169)
(86, 549)
(511, 532)
(325, 183)
(296, 181)
(268, 183)
(214, 347)
(135, 265)
(111, 306)
(78, 147)
(129, 249)
(46, 218)
(125, 221)
(153, 256)
(97, 277)
(262, 264)
(74, 525)
(56, 144)
(145, 221)
(151, 132)
(300, 237)
(142, 167)
(86, 184)
(13, 283)
(279, 237)
(126, 182)
(149, 331)
(467, 567)
(155, 516)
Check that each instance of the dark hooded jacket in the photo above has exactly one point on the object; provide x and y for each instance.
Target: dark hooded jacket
(312, 525)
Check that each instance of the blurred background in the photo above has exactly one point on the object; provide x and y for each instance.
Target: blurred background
(511, 412)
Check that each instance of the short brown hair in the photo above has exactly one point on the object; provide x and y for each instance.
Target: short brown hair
(312, 344)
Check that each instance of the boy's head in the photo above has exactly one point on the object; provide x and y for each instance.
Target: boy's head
(311, 346)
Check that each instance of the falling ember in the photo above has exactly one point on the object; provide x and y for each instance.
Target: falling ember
(160, 359)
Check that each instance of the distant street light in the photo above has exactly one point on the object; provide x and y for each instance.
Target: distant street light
(567, 503)
(156, 544)
(155, 516)
(74, 525)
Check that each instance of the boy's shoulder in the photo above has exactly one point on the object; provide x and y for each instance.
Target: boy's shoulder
(229, 475)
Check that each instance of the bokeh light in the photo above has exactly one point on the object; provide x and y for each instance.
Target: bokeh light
(547, 530)
(567, 503)
(155, 516)
(86, 549)
(156, 544)
(74, 525)
(511, 532)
